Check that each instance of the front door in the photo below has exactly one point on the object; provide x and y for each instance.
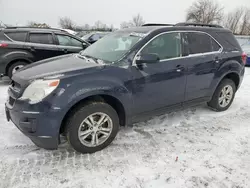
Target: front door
(160, 84)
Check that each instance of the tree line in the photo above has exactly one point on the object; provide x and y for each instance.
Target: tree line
(211, 12)
(201, 11)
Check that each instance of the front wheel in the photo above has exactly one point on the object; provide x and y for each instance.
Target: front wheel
(92, 127)
(223, 95)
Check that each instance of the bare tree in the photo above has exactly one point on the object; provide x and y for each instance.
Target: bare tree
(99, 25)
(135, 22)
(245, 24)
(125, 25)
(205, 11)
(232, 19)
(66, 23)
(238, 21)
(36, 24)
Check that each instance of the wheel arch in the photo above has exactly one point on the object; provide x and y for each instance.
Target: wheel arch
(234, 76)
(109, 99)
(15, 61)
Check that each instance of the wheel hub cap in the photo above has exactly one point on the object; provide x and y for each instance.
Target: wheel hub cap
(226, 96)
(95, 129)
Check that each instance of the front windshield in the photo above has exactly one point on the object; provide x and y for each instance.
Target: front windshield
(112, 47)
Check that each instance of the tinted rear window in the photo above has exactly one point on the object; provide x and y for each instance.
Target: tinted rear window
(41, 38)
(17, 36)
(196, 43)
(228, 41)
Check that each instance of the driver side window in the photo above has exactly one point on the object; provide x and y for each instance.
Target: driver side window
(166, 46)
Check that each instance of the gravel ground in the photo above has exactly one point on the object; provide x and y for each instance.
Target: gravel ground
(195, 147)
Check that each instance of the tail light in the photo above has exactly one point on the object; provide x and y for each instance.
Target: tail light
(244, 58)
(2, 45)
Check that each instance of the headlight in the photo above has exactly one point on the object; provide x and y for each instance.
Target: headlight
(39, 89)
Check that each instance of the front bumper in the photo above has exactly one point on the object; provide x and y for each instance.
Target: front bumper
(41, 127)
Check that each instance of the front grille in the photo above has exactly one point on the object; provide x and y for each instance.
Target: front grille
(11, 101)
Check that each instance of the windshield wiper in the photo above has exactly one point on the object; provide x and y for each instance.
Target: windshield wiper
(88, 57)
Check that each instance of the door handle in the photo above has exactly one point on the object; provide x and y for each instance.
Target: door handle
(216, 60)
(65, 50)
(179, 68)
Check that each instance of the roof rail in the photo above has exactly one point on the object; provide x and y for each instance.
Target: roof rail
(156, 24)
(26, 27)
(198, 25)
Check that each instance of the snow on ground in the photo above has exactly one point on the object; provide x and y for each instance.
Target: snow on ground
(195, 147)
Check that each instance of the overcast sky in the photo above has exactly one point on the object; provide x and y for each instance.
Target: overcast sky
(19, 12)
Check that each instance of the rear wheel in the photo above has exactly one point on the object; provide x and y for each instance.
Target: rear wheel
(15, 67)
(223, 95)
(92, 127)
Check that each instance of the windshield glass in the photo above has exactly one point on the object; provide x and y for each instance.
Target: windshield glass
(112, 47)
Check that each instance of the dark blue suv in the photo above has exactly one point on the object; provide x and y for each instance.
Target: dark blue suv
(123, 78)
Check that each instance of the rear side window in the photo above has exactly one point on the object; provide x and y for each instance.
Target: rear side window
(17, 36)
(65, 40)
(198, 43)
(41, 38)
(228, 40)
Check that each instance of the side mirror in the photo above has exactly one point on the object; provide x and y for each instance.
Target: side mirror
(84, 45)
(147, 58)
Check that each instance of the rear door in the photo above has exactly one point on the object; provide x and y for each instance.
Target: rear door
(203, 57)
(68, 44)
(42, 45)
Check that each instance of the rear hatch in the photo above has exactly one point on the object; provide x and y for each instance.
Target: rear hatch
(10, 40)
(8, 44)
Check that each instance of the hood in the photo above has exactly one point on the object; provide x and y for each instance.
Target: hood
(61, 65)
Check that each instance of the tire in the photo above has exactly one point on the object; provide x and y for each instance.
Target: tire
(17, 65)
(216, 102)
(75, 127)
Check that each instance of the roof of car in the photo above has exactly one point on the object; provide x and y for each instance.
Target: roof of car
(140, 29)
(34, 29)
(147, 28)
